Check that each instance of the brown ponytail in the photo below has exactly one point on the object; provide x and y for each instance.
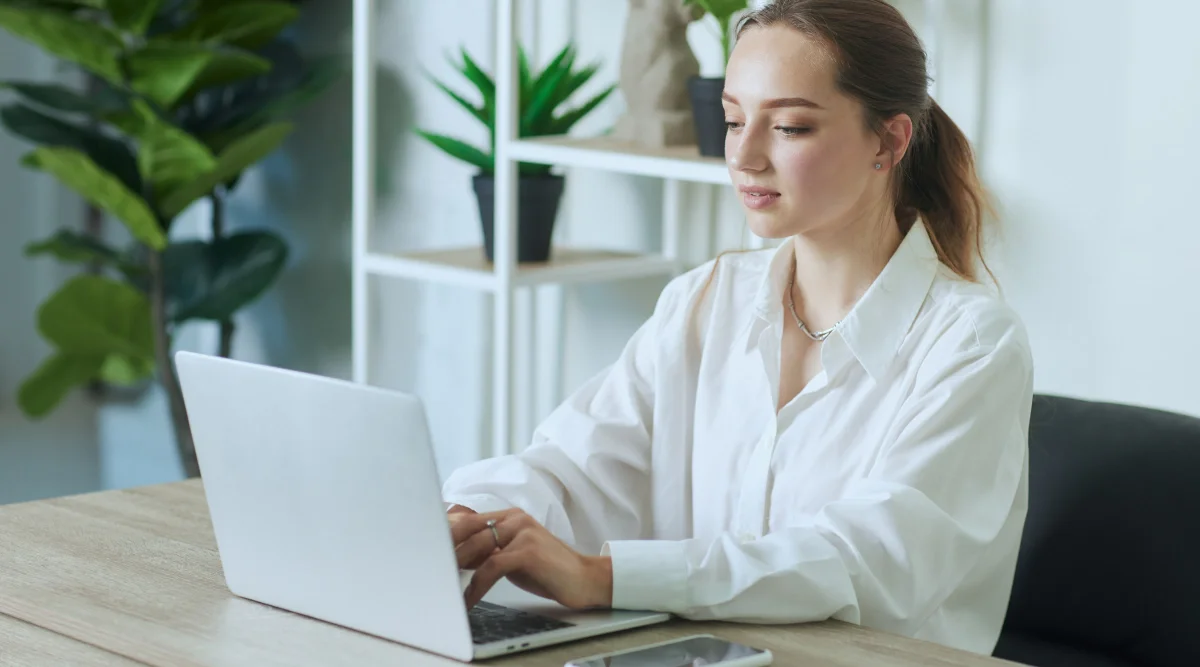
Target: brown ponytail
(881, 63)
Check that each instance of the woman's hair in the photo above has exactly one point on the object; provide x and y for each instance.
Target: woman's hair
(881, 63)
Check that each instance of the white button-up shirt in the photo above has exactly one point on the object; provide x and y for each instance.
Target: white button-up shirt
(890, 492)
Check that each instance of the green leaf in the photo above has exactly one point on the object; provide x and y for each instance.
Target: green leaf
(562, 124)
(524, 77)
(63, 99)
(78, 172)
(97, 316)
(460, 150)
(229, 65)
(240, 155)
(42, 391)
(125, 371)
(111, 155)
(163, 71)
(257, 110)
(483, 83)
(479, 113)
(247, 24)
(133, 15)
(69, 246)
(168, 155)
(536, 118)
(212, 281)
(87, 44)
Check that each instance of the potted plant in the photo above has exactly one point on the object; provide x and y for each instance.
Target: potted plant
(540, 97)
(706, 92)
(180, 99)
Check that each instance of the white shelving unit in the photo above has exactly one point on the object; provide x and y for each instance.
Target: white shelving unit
(503, 279)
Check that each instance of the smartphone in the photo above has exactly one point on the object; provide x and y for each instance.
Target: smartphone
(692, 651)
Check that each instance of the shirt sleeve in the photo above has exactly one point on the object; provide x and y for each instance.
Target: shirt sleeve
(939, 500)
(586, 475)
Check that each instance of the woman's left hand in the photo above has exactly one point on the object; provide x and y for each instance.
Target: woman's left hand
(532, 558)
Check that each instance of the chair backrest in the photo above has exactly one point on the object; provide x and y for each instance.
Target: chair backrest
(1110, 556)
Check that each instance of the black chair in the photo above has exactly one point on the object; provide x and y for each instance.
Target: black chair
(1109, 569)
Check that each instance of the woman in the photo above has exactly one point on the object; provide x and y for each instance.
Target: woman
(833, 429)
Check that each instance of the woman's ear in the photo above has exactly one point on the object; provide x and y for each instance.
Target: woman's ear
(894, 140)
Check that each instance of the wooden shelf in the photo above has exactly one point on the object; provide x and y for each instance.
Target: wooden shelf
(468, 267)
(682, 163)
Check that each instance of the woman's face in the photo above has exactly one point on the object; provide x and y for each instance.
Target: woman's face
(798, 150)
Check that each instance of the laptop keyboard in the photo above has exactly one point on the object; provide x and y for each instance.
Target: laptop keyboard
(493, 623)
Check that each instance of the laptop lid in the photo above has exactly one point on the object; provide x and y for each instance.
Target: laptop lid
(325, 500)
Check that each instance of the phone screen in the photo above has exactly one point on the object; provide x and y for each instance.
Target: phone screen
(692, 652)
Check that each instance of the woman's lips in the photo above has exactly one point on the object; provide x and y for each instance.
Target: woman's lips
(758, 198)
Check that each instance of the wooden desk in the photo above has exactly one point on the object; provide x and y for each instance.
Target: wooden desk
(26, 645)
(136, 573)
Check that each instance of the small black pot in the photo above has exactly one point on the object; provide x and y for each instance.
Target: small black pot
(537, 207)
(708, 114)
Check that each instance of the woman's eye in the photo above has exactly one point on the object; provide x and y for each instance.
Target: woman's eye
(794, 131)
(732, 125)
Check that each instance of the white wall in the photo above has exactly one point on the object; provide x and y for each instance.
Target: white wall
(1089, 147)
(56, 455)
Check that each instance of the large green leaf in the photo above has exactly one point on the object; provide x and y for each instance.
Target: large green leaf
(111, 155)
(163, 71)
(213, 281)
(42, 391)
(167, 155)
(256, 108)
(125, 371)
(66, 100)
(248, 24)
(78, 172)
(87, 44)
(97, 316)
(228, 66)
(71, 246)
(239, 155)
(133, 15)
(168, 71)
(461, 150)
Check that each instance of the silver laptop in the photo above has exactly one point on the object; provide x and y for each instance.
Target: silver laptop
(325, 501)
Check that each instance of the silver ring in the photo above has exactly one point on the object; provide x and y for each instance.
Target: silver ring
(491, 523)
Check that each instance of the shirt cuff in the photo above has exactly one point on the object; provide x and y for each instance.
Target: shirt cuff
(481, 503)
(648, 575)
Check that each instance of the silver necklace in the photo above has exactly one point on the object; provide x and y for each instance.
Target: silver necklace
(818, 336)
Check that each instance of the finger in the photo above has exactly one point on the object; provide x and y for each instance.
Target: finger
(501, 564)
(463, 526)
(476, 549)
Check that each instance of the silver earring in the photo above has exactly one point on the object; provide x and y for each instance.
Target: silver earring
(878, 165)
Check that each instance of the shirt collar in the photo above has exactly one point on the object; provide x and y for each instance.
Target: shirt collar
(875, 327)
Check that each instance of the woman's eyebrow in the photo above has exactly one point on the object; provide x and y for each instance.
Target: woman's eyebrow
(778, 103)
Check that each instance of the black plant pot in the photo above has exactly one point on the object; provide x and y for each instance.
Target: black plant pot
(708, 114)
(537, 207)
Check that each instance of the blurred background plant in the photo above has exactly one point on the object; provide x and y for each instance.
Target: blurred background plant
(179, 98)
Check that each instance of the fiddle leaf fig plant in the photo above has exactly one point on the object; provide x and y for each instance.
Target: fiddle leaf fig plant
(180, 98)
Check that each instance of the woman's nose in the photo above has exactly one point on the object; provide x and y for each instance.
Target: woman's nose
(743, 151)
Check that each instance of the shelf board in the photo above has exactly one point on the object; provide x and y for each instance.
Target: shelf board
(682, 163)
(468, 267)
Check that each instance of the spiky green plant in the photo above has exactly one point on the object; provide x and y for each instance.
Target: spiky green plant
(540, 96)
